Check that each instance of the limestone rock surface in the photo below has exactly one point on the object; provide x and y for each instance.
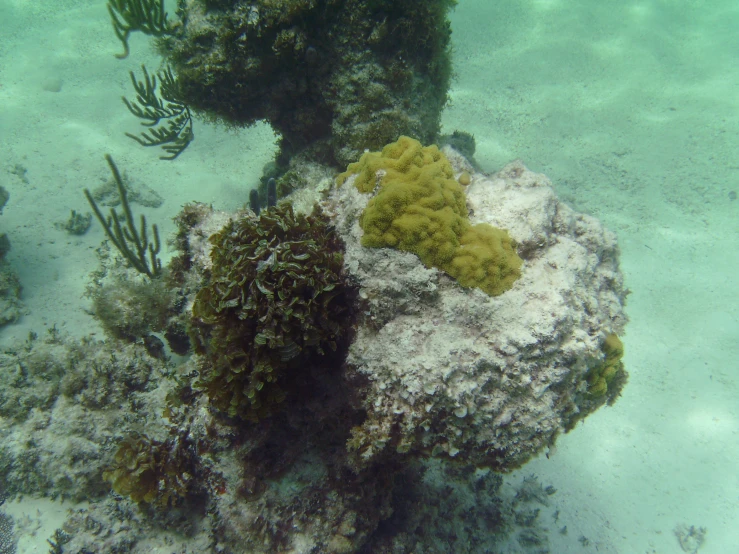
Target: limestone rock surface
(452, 372)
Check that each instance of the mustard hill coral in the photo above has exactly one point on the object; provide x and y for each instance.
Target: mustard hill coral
(419, 207)
(609, 377)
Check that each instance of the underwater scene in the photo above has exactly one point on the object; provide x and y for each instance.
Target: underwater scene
(369, 276)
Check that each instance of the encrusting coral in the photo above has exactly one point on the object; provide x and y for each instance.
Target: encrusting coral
(276, 299)
(419, 207)
(608, 378)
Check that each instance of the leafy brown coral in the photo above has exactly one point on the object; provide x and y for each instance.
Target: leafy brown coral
(276, 302)
(151, 471)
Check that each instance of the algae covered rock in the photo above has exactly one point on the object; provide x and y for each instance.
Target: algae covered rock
(11, 307)
(331, 77)
(63, 401)
(457, 373)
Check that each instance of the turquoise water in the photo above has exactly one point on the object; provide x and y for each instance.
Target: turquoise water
(629, 108)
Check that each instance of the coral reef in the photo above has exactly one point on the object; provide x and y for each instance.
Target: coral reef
(417, 206)
(405, 395)
(332, 78)
(114, 526)
(275, 304)
(441, 507)
(62, 402)
(134, 308)
(452, 372)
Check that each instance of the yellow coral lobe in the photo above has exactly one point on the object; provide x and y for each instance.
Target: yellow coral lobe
(598, 388)
(487, 259)
(418, 206)
(613, 347)
(405, 157)
(600, 377)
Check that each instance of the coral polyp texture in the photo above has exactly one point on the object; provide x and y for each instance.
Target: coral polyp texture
(455, 372)
(331, 77)
(276, 302)
(419, 207)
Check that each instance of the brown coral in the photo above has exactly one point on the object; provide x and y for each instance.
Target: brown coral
(277, 302)
(154, 472)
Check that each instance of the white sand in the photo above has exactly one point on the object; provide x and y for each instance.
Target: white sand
(629, 107)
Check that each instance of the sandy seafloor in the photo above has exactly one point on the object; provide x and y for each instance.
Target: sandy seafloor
(631, 108)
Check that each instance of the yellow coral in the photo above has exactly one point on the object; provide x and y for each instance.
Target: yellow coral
(601, 377)
(419, 207)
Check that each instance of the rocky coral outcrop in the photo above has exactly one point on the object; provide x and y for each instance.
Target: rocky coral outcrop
(452, 372)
